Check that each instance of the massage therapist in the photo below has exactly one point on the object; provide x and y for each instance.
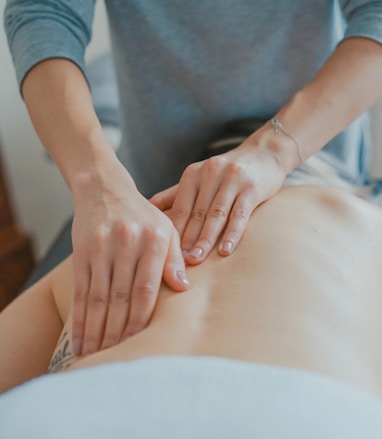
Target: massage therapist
(184, 68)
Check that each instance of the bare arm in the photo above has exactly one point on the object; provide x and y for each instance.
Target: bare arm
(219, 194)
(29, 329)
(60, 105)
(122, 244)
(347, 85)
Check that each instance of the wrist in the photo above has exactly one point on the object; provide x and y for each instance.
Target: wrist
(279, 128)
(105, 174)
(283, 148)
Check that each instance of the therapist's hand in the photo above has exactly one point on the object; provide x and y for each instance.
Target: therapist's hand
(216, 197)
(122, 246)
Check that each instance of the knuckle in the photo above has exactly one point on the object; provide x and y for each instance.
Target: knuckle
(79, 295)
(150, 234)
(122, 230)
(217, 211)
(101, 234)
(235, 169)
(215, 163)
(145, 293)
(253, 188)
(119, 296)
(220, 160)
(198, 214)
(79, 249)
(178, 212)
(190, 170)
(240, 213)
(97, 299)
(155, 235)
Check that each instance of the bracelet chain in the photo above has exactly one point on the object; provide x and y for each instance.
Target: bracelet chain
(279, 128)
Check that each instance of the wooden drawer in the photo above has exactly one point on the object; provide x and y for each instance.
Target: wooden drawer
(16, 262)
(6, 216)
(16, 254)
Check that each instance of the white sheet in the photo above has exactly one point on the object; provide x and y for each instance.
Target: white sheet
(189, 397)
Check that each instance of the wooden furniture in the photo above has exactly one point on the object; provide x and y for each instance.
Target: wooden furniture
(16, 254)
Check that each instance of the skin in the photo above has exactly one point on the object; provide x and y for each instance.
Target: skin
(114, 224)
(303, 290)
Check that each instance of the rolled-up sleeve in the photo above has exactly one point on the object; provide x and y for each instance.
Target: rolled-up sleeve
(40, 30)
(364, 18)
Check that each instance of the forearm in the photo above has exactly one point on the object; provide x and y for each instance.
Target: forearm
(60, 106)
(346, 86)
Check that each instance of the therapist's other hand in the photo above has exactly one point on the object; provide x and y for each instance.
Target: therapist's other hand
(216, 197)
(122, 246)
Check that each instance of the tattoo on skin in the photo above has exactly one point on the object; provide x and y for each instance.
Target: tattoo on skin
(63, 356)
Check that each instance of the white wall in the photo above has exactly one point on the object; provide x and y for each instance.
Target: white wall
(41, 200)
(376, 168)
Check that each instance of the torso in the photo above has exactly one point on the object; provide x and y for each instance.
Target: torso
(302, 290)
(210, 62)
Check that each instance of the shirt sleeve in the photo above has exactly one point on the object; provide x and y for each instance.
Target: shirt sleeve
(364, 18)
(44, 29)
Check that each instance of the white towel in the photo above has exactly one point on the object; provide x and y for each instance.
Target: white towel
(189, 397)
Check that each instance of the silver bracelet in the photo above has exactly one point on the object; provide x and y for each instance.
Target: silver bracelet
(279, 128)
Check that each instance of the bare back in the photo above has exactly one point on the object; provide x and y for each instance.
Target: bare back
(302, 290)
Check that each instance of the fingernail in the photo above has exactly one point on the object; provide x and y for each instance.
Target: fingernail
(184, 254)
(196, 252)
(77, 347)
(181, 275)
(227, 246)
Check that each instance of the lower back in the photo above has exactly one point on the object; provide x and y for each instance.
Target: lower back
(301, 290)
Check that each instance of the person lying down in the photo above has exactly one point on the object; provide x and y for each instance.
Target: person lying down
(296, 309)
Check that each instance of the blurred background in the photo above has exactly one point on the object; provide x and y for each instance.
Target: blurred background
(41, 201)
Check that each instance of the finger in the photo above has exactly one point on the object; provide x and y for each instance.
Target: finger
(185, 199)
(217, 217)
(209, 187)
(238, 220)
(174, 271)
(146, 284)
(81, 272)
(164, 200)
(97, 304)
(119, 302)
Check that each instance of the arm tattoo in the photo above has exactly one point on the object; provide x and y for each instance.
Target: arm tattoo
(63, 356)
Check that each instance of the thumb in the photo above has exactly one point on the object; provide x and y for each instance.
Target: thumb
(164, 200)
(174, 271)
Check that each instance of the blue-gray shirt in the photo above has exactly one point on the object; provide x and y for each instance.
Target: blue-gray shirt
(184, 68)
